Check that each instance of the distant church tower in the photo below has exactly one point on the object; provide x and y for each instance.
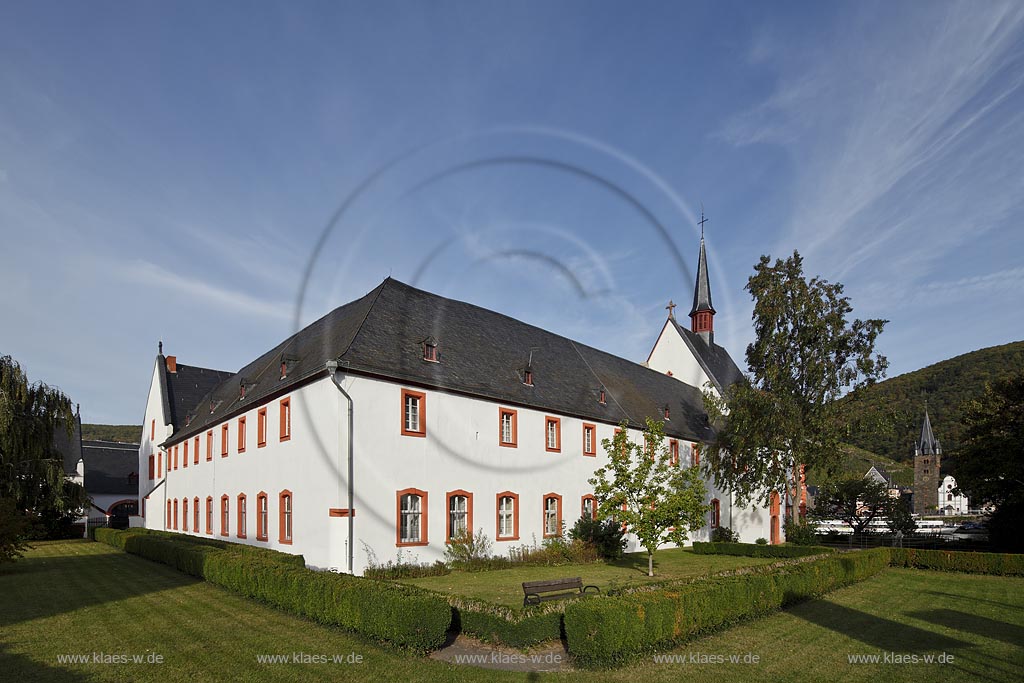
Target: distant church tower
(927, 456)
(702, 315)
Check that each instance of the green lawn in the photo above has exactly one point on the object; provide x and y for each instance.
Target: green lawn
(80, 598)
(504, 586)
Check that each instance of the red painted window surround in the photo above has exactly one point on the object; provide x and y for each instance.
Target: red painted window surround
(448, 509)
(558, 515)
(552, 434)
(209, 514)
(261, 428)
(152, 467)
(225, 515)
(286, 419)
(242, 515)
(591, 448)
(262, 515)
(184, 453)
(511, 417)
(195, 451)
(413, 413)
(241, 434)
(209, 445)
(422, 495)
(286, 514)
(195, 514)
(224, 431)
(515, 516)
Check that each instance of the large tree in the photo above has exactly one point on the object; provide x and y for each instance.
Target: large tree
(856, 501)
(644, 487)
(806, 354)
(32, 414)
(989, 463)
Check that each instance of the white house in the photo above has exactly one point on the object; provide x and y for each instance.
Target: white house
(951, 502)
(403, 418)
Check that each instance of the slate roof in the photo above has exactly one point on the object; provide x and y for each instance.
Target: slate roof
(70, 449)
(482, 353)
(111, 467)
(928, 445)
(702, 287)
(184, 388)
(715, 360)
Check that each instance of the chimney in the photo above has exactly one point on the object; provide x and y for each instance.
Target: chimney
(172, 364)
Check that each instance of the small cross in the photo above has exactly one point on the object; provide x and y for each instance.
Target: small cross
(671, 309)
(701, 222)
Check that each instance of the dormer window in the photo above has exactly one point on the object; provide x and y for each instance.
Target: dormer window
(528, 377)
(284, 369)
(666, 413)
(430, 350)
(241, 392)
(601, 396)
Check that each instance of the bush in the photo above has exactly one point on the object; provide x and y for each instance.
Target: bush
(758, 549)
(606, 630)
(467, 548)
(800, 533)
(13, 529)
(605, 536)
(761, 541)
(404, 615)
(502, 624)
(554, 552)
(723, 534)
(958, 561)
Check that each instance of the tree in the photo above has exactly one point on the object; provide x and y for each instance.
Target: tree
(643, 488)
(805, 355)
(901, 518)
(31, 466)
(989, 464)
(855, 501)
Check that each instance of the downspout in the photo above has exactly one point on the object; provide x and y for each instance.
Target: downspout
(332, 368)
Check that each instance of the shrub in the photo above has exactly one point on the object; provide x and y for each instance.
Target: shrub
(404, 615)
(554, 552)
(959, 561)
(13, 528)
(502, 624)
(800, 533)
(723, 534)
(467, 548)
(605, 630)
(605, 536)
(762, 541)
(758, 549)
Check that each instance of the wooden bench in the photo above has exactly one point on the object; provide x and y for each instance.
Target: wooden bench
(535, 592)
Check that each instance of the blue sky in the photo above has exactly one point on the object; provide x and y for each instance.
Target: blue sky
(166, 170)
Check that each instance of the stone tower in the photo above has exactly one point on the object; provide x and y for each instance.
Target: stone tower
(927, 456)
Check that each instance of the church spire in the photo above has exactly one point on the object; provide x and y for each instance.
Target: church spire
(928, 445)
(702, 315)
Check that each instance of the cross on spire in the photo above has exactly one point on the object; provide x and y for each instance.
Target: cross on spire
(702, 220)
(671, 309)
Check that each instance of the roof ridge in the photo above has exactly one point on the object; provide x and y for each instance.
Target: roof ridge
(359, 328)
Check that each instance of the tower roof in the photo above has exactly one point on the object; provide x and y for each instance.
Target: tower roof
(702, 288)
(928, 445)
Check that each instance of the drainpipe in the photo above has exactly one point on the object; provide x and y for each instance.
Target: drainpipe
(332, 368)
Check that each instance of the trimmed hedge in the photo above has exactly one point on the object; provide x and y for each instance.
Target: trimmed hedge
(247, 550)
(958, 561)
(502, 624)
(404, 615)
(607, 630)
(756, 550)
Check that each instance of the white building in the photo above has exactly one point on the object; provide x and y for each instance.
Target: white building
(403, 417)
(951, 502)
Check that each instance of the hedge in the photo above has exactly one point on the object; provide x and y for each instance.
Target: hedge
(404, 615)
(958, 561)
(502, 624)
(755, 550)
(246, 550)
(606, 630)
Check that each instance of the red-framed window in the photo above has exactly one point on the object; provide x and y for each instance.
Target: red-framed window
(286, 418)
(589, 439)
(261, 428)
(175, 519)
(195, 451)
(159, 464)
(285, 512)
(508, 427)
(209, 445)
(184, 514)
(410, 517)
(552, 434)
(459, 505)
(195, 514)
(152, 430)
(152, 467)
(588, 506)
(174, 456)
(673, 452)
(225, 515)
(262, 516)
(552, 515)
(241, 515)
(184, 453)
(716, 513)
(224, 433)
(696, 455)
(414, 413)
(507, 516)
(168, 524)
(209, 514)
(241, 434)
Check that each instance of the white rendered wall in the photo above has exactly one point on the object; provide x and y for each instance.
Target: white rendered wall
(671, 354)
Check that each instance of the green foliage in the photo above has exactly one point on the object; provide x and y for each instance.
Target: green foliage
(501, 624)
(34, 419)
(121, 433)
(761, 541)
(759, 549)
(960, 561)
(13, 530)
(901, 518)
(989, 465)
(609, 630)
(658, 500)
(401, 614)
(800, 532)
(805, 355)
(855, 501)
(554, 552)
(947, 386)
(467, 548)
(604, 535)
(723, 534)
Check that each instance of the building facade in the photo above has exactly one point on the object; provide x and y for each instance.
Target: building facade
(952, 502)
(927, 459)
(404, 418)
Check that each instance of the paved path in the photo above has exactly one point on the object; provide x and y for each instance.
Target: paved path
(466, 651)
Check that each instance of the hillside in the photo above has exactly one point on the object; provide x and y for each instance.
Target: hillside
(947, 384)
(122, 433)
(857, 461)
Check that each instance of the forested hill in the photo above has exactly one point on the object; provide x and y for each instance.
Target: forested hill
(946, 385)
(122, 433)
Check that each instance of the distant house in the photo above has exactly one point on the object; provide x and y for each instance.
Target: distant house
(877, 473)
(950, 501)
(112, 478)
